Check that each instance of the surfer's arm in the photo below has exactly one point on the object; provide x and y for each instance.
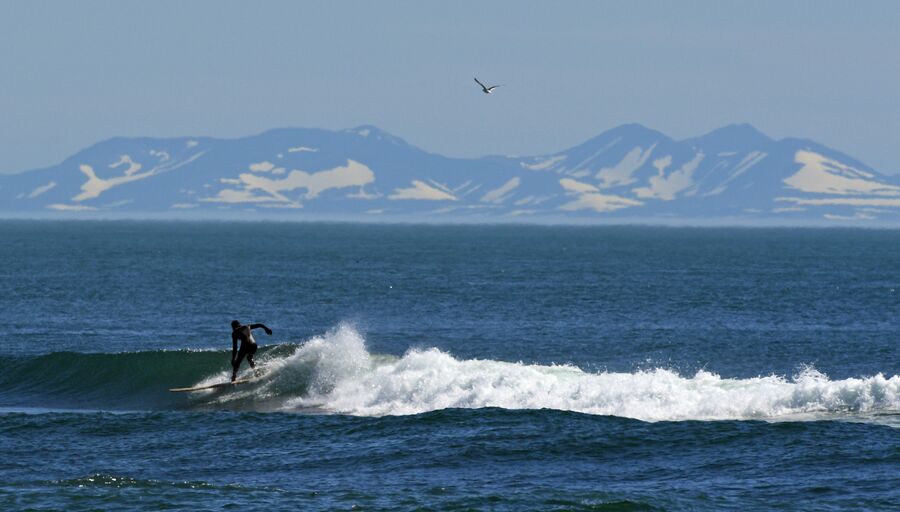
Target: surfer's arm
(257, 326)
(233, 347)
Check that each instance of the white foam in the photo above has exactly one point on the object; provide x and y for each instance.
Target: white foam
(344, 378)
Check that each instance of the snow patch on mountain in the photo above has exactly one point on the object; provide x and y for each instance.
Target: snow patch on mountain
(667, 187)
(423, 192)
(352, 174)
(588, 197)
(843, 201)
(580, 167)
(660, 164)
(95, 185)
(600, 203)
(241, 196)
(282, 206)
(576, 186)
(71, 207)
(823, 175)
(266, 167)
(362, 194)
(162, 155)
(752, 158)
(542, 164)
(621, 173)
(499, 195)
(532, 200)
(855, 216)
(40, 190)
(262, 166)
(133, 167)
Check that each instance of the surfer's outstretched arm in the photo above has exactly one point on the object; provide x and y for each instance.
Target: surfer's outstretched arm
(257, 326)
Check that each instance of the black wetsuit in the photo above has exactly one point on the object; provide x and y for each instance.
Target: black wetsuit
(248, 346)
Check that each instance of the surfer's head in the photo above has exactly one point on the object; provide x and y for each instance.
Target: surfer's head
(235, 324)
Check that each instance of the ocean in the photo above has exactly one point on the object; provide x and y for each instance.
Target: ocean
(449, 367)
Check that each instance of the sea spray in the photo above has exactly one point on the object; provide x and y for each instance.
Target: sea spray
(348, 380)
(335, 373)
(309, 373)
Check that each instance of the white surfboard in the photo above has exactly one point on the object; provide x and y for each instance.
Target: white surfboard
(214, 386)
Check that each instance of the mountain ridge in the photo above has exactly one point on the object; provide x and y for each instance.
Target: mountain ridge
(630, 171)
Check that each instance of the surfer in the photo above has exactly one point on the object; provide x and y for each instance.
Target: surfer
(248, 345)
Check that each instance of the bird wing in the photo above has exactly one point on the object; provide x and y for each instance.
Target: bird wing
(491, 88)
(481, 84)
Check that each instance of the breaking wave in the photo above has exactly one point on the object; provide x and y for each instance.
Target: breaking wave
(335, 373)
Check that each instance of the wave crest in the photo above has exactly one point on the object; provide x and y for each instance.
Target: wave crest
(336, 373)
(347, 379)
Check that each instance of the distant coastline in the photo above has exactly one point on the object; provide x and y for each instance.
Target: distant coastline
(735, 175)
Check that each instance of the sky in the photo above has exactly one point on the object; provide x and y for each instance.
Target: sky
(75, 73)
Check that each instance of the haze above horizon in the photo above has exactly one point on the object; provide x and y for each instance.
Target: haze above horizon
(80, 73)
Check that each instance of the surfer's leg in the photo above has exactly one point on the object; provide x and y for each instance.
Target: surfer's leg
(252, 365)
(237, 365)
(250, 353)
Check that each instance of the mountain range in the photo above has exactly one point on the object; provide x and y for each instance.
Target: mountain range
(734, 174)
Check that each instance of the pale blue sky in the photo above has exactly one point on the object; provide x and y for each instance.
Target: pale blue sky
(74, 73)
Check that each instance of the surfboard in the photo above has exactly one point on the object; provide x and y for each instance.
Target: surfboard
(214, 386)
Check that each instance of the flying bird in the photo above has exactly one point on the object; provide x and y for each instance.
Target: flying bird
(486, 90)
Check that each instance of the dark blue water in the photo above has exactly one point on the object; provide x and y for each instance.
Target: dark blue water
(449, 367)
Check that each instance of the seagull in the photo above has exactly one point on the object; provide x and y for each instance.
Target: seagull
(487, 90)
